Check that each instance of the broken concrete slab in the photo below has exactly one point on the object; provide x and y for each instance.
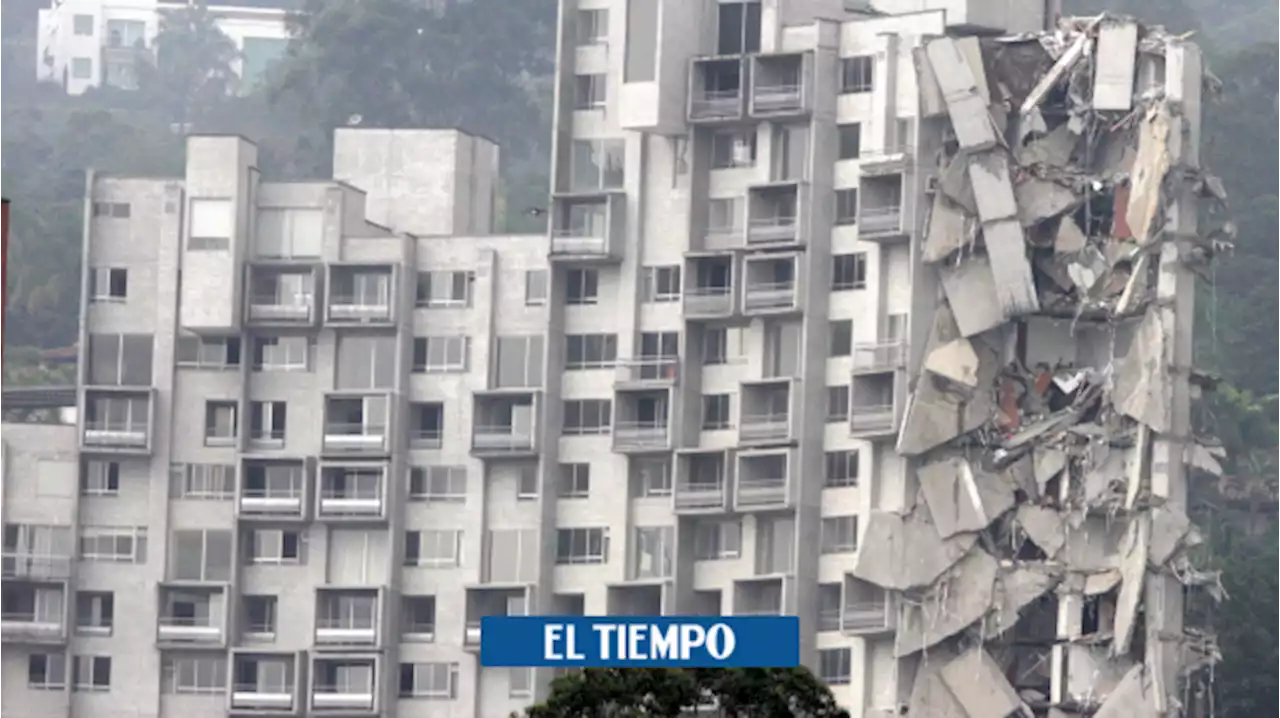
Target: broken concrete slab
(980, 687)
(1168, 529)
(962, 499)
(1053, 149)
(949, 230)
(989, 175)
(1128, 699)
(1133, 570)
(970, 287)
(1039, 200)
(1150, 166)
(953, 182)
(1049, 462)
(1068, 239)
(959, 599)
(1143, 388)
(1045, 527)
(956, 360)
(1056, 73)
(932, 104)
(970, 119)
(1114, 65)
(910, 552)
(939, 410)
(1015, 591)
(1010, 267)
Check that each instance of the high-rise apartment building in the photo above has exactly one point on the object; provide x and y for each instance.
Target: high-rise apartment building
(325, 427)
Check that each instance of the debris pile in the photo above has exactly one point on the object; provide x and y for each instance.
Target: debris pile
(1041, 564)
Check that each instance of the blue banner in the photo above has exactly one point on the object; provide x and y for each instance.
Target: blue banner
(640, 641)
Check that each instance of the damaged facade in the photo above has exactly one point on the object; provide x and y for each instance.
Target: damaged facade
(1040, 556)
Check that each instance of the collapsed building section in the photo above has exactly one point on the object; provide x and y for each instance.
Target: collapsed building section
(1043, 566)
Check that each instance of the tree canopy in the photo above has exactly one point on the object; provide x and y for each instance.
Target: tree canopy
(737, 692)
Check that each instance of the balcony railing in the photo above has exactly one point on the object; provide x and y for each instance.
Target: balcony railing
(829, 619)
(778, 98)
(579, 241)
(765, 230)
(346, 696)
(877, 417)
(880, 220)
(700, 495)
(254, 695)
(770, 295)
(354, 437)
(501, 439)
(758, 612)
(708, 301)
(346, 501)
(471, 634)
(35, 566)
(106, 432)
(762, 492)
(880, 356)
(265, 307)
(267, 439)
(345, 630)
(640, 435)
(426, 439)
(350, 307)
(272, 500)
(31, 626)
(716, 105)
(867, 616)
(648, 369)
(765, 427)
(190, 629)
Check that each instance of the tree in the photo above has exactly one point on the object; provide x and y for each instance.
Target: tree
(664, 692)
(194, 64)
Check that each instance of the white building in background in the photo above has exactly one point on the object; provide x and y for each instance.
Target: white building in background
(87, 43)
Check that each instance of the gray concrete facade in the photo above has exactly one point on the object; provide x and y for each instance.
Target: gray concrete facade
(325, 427)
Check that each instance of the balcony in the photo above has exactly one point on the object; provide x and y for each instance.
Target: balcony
(352, 491)
(361, 295)
(588, 227)
(344, 685)
(28, 566)
(770, 286)
(780, 85)
(652, 560)
(710, 295)
(867, 610)
(647, 371)
(117, 421)
(347, 617)
(641, 599)
(880, 209)
(642, 423)
(773, 215)
(280, 296)
(263, 683)
(766, 412)
(504, 426)
(357, 424)
(877, 357)
(716, 90)
(33, 614)
(273, 489)
(759, 597)
(483, 602)
(763, 481)
(892, 160)
(873, 410)
(702, 485)
(191, 615)
(426, 425)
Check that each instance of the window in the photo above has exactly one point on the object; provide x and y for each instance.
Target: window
(429, 680)
(202, 481)
(661, 284)
(212, 225)
(95, 612)
(848, 271)
(520, 682)
(590, 351)
(366, 362)
(850, 141)
(840, 337)
(282, 353)
(592, 26)
(81, 68)
(715, 412)
(837, 404)
(589, 92)
(193, 674)
(582, 286)
(267, 422)
(126, 33)
(439, 355)
(903, 134)
(274, 546)
(733, 148)
(535, 287)
(716, 540)
(82, 25)
(91, 673)
(114, 210)
(834, 665)
(108, 284)
(418, 617)
(724, 215)
(586, 417)
(519, 363)
(584, 545)
(846, 206)
(260, 614)
(857, 74)
(200, 555)
(47, 671)
(839, 534)
(842, 468)
(443, 484)
(575, 481)
(433, 548)
(597, 165)
(208, 352)
(112, 543)
(653, 476)
(220, 423)
(527, 482)
(293, 233)
(738, 27)
(445, 289)
(715, 346)
(99, 478)
(120, 359)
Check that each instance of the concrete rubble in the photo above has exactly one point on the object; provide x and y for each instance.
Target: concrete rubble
(1035, 566)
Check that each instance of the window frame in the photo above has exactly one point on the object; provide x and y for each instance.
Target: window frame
(426, 482)
(849, 141)
(840, 469)
(537, 285)
(661, 284)
(573, 481)
(441, 538)
(838, 403)
(579, 350)
(857, 74)
(592, 540)
(455, 348)
(846, 206)
(839, 534)
(578, 411)
(429, 279)
(101, 278)
(582, 287)
(839, 338)
(856, 267)
(55, 663)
